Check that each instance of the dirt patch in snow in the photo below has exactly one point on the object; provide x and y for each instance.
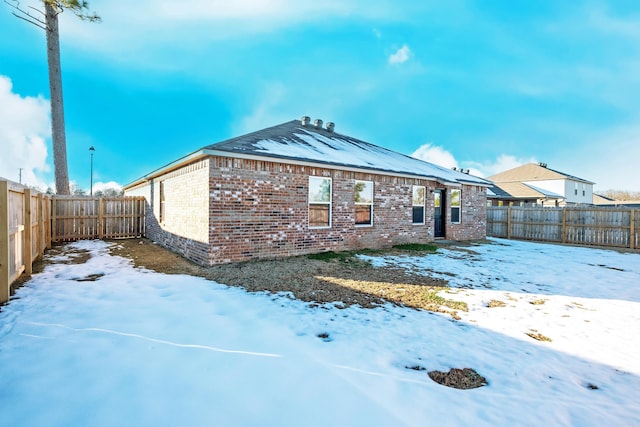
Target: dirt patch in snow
(344, 280)
(463, 379)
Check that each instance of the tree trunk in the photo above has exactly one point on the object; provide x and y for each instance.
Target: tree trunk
(57, 110)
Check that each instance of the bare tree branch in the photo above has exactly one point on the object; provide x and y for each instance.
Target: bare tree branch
(37, 10)
(25, 15)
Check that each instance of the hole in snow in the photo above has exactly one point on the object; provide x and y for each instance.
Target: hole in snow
(324, 337)
(89, 278)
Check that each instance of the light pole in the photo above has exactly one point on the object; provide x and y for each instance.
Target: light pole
(91, 150)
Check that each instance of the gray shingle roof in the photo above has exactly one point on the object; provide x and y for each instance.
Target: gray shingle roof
(307, 143)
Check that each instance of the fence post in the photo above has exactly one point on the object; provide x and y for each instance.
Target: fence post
(100, 219)
(48, 214)
(4, 242)
(509, 222)
(564, 225)
(41, 230)
(632, 229)
(54, 222)
(27, 254)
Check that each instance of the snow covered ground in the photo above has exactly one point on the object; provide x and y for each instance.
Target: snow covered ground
(139, 348)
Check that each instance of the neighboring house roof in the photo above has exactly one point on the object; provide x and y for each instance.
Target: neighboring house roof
(520, 190)
(498, 193)
(308, 144)
(600, 200)
(533, 172)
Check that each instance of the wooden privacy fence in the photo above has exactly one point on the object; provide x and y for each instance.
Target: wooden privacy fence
(608, 227)
(77, 218)
(30, 221)
(25, 232)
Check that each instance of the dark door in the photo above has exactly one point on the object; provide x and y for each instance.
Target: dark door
(439, 213)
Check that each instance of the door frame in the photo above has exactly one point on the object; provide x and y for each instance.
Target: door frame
(440, 227)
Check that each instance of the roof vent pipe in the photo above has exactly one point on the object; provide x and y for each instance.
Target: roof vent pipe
(318, 123)
(331, 126)
(544, 165)
(305, 120)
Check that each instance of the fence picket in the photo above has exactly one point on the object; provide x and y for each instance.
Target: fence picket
(24, 224)
(97, 218)
(30, 221)
(608, 227)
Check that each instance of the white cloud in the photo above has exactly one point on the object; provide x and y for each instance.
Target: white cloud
(436, 155)
(129, 27)
(603, 20)
(24, 127)
(401, 55)
(441, 157)
(221, 10)
(101, 186)
(265, 110)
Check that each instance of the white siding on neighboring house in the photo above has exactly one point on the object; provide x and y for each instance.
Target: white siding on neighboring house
(567, 188)
(578, 192)
(553, 185)
(569, 191)
(587, 197)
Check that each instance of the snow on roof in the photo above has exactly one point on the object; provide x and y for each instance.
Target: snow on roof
(294, 141)
(497, 192)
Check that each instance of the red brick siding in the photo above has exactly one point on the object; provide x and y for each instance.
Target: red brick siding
(260, 209)
(473, 214)
(185, 226)
(223, 210)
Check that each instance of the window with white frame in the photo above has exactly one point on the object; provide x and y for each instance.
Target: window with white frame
(319, 202)
(455, 206)
(363, 198)
(575, 188)
(417, 203)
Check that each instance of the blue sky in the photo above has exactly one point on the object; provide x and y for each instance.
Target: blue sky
(485, 85)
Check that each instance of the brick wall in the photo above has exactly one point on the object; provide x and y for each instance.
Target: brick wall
(221, 210)
(184, 227)
(473, 215)
(260, 209)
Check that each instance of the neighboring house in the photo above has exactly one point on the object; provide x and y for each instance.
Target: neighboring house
(604, 201)
(519, 194)
(299, 188)
(536, 184)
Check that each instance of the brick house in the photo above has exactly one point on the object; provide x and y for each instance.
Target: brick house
(299, 188)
